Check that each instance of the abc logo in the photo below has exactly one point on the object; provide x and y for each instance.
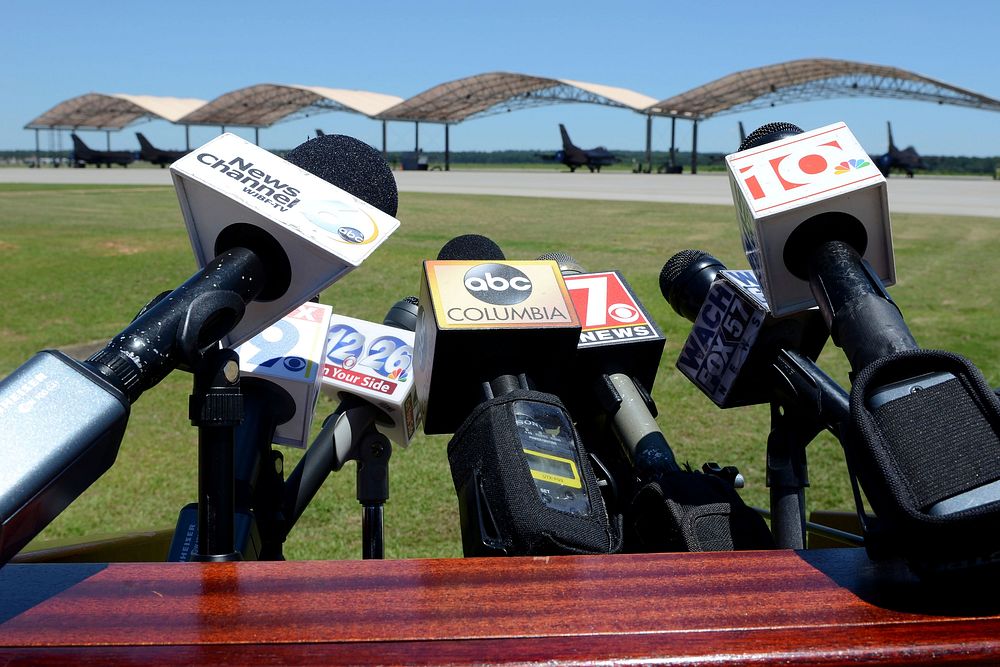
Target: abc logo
(498, 284)
(351, 235)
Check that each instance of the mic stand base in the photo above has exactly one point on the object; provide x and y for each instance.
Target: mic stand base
(787, 474)
(216, 408)
(373, 490)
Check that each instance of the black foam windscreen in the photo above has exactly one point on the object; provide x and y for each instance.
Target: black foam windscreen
(471, 247)
(686, 278)
(403, 314)
(351, 165)
(765, 134)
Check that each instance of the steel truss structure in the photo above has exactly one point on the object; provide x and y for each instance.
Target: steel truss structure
(501, 92)
(809, 80)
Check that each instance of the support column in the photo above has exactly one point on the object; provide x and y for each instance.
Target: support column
(673, 140)
(256, 136)
(416, 136)
(385, 152)
(107, 134)
(187, 137)
(38, 158)
(649, 143)
(447, 149)
(694, 148)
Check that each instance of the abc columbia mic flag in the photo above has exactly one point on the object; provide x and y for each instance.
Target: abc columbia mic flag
(481, 319)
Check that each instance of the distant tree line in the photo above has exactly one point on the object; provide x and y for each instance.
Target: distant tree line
(945, 164)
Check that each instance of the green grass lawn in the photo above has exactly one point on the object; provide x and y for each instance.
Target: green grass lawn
(79, 261)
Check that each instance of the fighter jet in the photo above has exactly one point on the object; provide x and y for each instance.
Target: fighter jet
(906, 159)
(84, 155)
(572, 156)
(150, 153)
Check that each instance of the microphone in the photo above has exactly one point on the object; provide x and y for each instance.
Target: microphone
(488, 329)
(470, 245)
(480, 317)
(667, 508)
(358, 169)
(373, 409)
(231, 204)
(290, 354)
(783, 180)
(232, 193)
(738, 353)
(266, 507)
(617, 357)
(735, 338)
(373, 362)
(923, 438)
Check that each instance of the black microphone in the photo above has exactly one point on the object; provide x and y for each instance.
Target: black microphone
(363, 424)
(617, 358)
(489, 329)
(739, 353)
(666, 508)
(735, 338)
(54, 460)
(924, 438)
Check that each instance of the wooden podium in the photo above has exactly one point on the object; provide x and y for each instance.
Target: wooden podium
(828, 606)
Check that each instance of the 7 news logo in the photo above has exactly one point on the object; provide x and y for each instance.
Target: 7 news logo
(608, 310)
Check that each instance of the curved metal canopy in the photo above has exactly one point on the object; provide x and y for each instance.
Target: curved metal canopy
(99, 111)
(265, 104)
(812, 79)
(499, 92)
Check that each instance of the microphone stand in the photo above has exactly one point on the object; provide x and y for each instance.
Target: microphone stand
(259, 468)
(807, 402)
(216, 409)
(348, 434)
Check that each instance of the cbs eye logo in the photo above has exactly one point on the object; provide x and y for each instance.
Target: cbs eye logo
(497, 284)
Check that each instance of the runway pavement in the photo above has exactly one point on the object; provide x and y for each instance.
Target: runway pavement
(928, 194)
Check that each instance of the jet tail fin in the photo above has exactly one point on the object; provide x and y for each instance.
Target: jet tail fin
(567, 144)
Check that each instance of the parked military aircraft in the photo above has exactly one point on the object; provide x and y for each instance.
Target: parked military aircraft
(572, 156)
(150, 153)
(84, 155)
(906, 159)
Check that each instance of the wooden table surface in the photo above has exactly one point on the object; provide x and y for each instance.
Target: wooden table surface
(816, 607)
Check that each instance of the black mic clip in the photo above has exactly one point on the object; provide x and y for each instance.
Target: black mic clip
(729, 474)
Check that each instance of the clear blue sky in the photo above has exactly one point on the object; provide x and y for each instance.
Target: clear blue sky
(53, 51)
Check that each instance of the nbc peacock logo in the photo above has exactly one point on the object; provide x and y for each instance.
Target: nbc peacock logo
(850, 165)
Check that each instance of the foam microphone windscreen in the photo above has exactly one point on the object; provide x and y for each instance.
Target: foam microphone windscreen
(767, 133)
(351, 165)
(686, 279)
(471, 247)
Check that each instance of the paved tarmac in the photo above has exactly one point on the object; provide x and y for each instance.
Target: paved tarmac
(928, 194)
